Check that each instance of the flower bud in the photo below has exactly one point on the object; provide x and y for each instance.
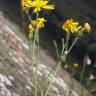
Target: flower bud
(87, 27)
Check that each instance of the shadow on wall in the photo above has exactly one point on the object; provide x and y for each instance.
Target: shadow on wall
(11, 11)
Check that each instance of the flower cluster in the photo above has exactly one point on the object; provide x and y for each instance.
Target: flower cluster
(71, 26)
(36, 4)
(39, 23)
(26, 4)
(41, 4)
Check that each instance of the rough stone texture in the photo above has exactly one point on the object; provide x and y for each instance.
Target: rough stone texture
(15, 67)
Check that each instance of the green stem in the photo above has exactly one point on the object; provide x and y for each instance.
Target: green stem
(82, 73)
(32, 53)
(72, 45)
(67, 39)
(51, 72)
(63, 45)
(27, 12)
(51, 82)
(37, 39)
(92, 89)
(41, 91)
(30, 56)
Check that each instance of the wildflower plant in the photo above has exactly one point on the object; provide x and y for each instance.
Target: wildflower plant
(69, 27)
(33, 28)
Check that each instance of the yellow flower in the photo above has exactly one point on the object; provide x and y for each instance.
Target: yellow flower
(75, 65)
(41, 4)
(65, 66)
(26, 4)
(39, 22)
(30, 28)
(34, 24)
(71, 26)
(87, 27)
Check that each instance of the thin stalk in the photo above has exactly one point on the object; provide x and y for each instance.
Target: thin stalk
(38, 43)
(67, 39)
(41, 91)
(34, 41)
(30, 46)
(37, 39)
(82, 73)
(72, 45)
(63, 45)
(51, 72)
(57, 53)
(93, 89)
(30, 55)
(27, 12)
(50, 84)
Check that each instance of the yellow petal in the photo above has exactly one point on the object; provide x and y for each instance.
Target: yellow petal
(37, 10)
(48, 7)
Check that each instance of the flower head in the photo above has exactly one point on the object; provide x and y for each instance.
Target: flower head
(41, 4)
(39, 23)
(87, 27)
(34, 24)
(30, 28)
(65, 66)
(71, 26)
(26, 4)
(75, 65)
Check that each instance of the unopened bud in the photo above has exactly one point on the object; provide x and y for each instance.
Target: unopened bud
(55, 44)
(87, 27)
